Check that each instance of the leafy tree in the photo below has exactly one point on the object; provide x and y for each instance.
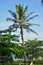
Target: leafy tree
(6, 45)
(8, 48)
(34, 49)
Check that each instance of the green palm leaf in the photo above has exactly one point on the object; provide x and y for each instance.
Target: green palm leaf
(12, 13)
(32, 31)
(32, 17)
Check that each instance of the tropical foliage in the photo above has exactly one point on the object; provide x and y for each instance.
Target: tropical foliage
(22, 21)
(6, 45)
(9, 48)
(34, 48)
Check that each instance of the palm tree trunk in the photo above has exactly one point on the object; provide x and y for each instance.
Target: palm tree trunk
(22, 35)
(23, 45)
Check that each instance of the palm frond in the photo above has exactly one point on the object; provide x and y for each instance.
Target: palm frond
(34, 24)
(27, 25)
(29, 14)
(25, 10)
(32, 17)
(12, 13)
(32, 31)
(14, 20)
(31, 24)
(14, 26)
(17, 8)
(10, 19)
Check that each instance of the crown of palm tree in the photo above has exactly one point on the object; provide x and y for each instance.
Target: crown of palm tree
(20, 19)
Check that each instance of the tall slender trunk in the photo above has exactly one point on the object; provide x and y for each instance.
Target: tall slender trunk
(22, 35)
(23, 45)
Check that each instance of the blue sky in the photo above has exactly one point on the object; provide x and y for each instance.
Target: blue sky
(33, 6)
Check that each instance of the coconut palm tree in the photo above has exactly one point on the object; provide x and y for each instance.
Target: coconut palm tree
(21, 20)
